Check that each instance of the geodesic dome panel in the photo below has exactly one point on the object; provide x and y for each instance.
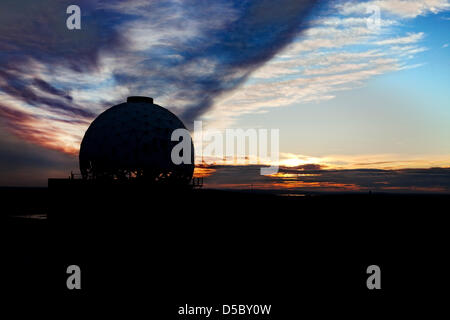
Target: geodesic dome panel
(133, 140)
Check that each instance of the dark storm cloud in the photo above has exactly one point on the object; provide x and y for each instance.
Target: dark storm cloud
(307, 166)
(434, 179)
(299, 180)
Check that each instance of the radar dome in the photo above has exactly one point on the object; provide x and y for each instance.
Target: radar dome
(132, 140)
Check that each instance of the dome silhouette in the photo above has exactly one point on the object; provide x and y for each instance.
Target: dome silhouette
(132, 140)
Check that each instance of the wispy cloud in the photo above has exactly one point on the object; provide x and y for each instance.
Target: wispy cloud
(339, 52)
(411, 38)
(399, 8)
(186, 54)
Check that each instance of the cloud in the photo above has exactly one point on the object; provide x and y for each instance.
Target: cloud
(315, 179)
(372, 161)
(42, 62)
(310, 166)
(399, 8)
(336, 53)
(185, 54)
(28, 164)
(218, 60)
(310, 84)
(192, 61)
(411, 38)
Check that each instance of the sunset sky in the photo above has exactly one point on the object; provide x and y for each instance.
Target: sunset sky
(358, 107)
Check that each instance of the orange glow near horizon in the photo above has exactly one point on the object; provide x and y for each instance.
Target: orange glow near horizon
(348, 162)
(203, 171)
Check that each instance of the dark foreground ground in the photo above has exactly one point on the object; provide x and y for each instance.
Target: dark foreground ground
(142, 249)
